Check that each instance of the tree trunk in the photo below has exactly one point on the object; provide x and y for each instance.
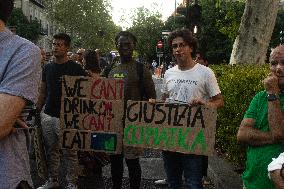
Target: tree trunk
(258, 21)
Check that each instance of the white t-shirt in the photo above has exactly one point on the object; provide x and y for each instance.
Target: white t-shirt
(183, 86)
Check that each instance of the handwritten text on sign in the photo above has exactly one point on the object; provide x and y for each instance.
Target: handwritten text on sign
(91, 116)
(172, 127)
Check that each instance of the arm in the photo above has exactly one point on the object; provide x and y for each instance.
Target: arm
(10, 108)
(276, 120)
(149, 85)
(275, 114)
(249, 135)
(216, 101)
(42, 95)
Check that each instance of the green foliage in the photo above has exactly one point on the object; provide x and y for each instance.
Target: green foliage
(147, 27)
(230, 23)
(238, 85)
(279, 26)
(88, 22)
(173, 22)
(219, 29)
(24, 28)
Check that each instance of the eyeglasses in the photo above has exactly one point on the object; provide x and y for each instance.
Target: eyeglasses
(57, 44)
(178, 45)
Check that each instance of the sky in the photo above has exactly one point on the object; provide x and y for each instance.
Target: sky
(124, 7)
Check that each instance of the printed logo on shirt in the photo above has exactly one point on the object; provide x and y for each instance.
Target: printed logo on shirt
(121, 75)
(181, 81)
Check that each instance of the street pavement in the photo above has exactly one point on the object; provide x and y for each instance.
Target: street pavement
(152, 170)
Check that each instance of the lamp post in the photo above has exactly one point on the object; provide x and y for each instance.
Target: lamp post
(281, 37)
(175, 13)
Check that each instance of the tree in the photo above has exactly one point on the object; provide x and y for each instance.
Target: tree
(24, 28)
(218, 29)
(88, 22)
(147, 27)
(279, 26)
(255, 32)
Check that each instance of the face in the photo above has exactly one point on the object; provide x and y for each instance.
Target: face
(80, 56)
(181, 50)
(59, 48)
(277, 65)
(43, 55)
(125, 46)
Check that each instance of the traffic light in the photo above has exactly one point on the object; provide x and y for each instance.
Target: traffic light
(192, 15)
(195, 15)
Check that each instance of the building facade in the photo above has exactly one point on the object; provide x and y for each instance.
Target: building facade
(35, 10)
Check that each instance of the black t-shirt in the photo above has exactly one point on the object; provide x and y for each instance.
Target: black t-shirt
(51, 76)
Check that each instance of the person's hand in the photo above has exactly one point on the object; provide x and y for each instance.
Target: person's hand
(197, 101)
(20, 124)
(271, 84)
(152, 100)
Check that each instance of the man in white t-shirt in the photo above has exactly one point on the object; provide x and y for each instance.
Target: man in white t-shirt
(195, 84)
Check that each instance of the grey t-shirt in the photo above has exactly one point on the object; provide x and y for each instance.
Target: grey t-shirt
(20, 74)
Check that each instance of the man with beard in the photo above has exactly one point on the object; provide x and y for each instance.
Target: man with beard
(138, 84)
(194, 84)
(51, 96)
(262, 127)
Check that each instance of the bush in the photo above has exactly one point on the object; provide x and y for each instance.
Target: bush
(238, 85)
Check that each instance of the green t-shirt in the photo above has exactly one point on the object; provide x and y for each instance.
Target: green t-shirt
(258, 157)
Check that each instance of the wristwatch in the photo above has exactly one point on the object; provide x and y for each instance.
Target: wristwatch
(272, 97)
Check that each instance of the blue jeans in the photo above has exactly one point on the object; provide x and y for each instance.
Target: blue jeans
(188, 165)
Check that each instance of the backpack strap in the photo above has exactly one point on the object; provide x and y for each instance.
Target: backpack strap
(140, 73)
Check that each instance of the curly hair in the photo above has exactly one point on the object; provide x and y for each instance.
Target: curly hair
(187, 36)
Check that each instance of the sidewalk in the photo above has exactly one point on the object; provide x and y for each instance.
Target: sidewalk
(219, 171)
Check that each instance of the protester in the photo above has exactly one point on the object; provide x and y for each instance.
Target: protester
(93, 161)
(91, 63)
(19, 81)
(276, 171)
(192, 83)
(201, 59)
(137, 87)
(51, 97)
(43, 57)
(262, 127)
(154, 65)
(102, 62)
(80, 54)
(69, 54)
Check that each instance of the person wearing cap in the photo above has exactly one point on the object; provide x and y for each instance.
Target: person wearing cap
(262, 128)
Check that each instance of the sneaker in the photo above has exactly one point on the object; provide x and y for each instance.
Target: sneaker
(71, 186)
(50, 184)
(161, 182)
(206, 181)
